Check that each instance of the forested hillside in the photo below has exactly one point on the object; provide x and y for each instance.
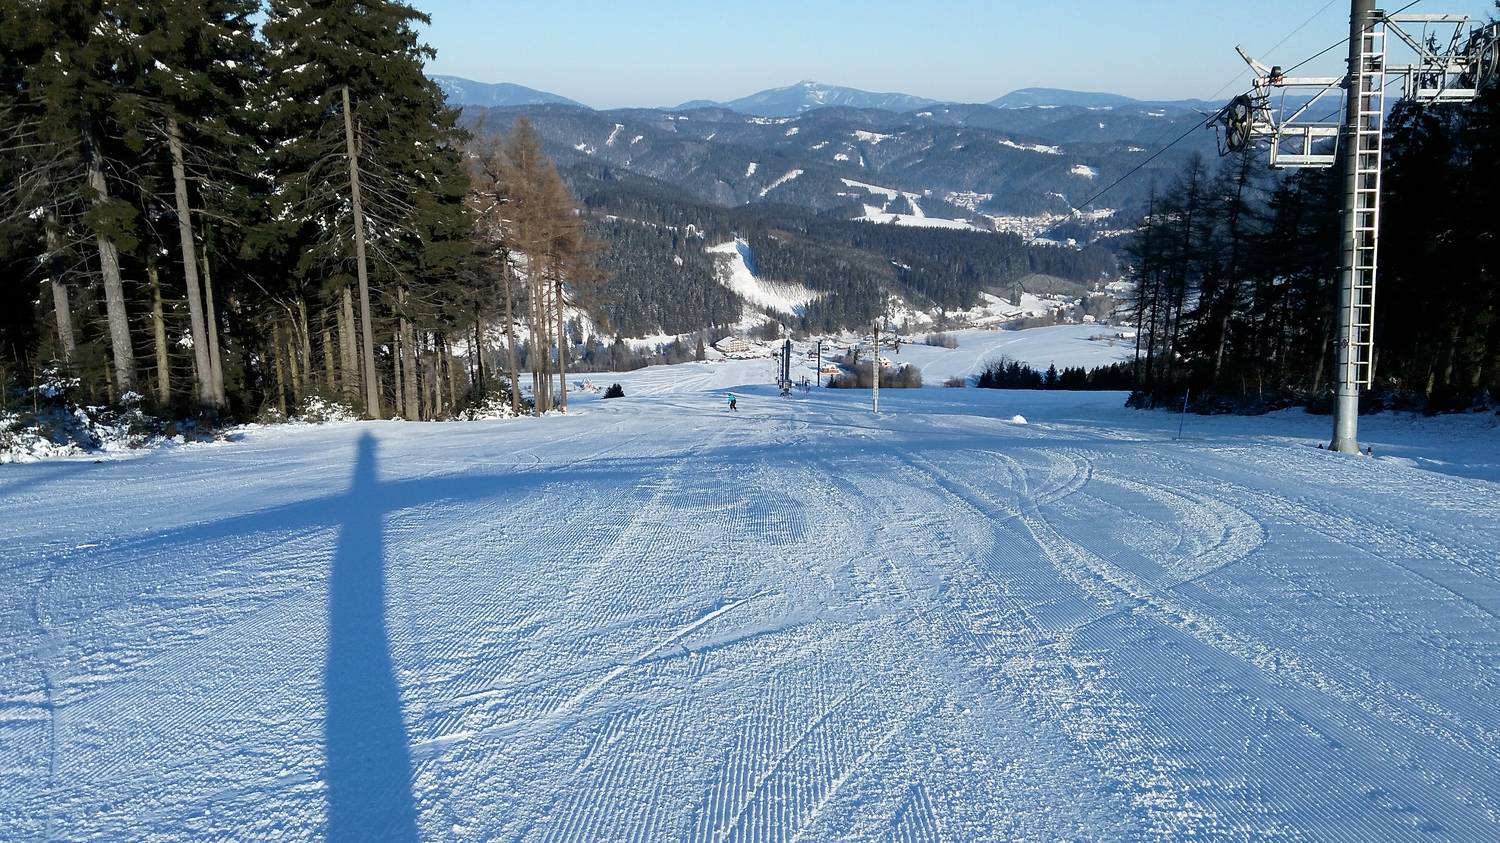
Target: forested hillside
(658, 278)
(997, 162)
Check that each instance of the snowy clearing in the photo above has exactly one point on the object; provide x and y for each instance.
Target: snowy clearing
(657, 620)
(1062, 346)
(916, 220)
(1032, 147)
(790, 176)
(737, 272)
(913, 215)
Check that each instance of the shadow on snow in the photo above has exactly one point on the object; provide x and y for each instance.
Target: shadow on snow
(368, 768)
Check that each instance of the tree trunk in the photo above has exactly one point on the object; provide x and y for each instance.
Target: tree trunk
(1325, 349)
(1223, 342)
(1450, 355)
(202, 358)
(433, 394)
(278, 355)
(61, 309)
(109, 383)
(549, 323)
(439, 402)
(159, 329)
(114, 289)
(347, 344)
(397, 396)
(304, 338)
(215, 351)
(372, 391)
(478, 354)
(453, 390)
(562, 350)
(325, 338)
(294, 367)
(537, 328)
(409, 361)
(510, 336)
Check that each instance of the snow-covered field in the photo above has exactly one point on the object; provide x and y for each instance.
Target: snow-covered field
(657, 620)
(1060, 345)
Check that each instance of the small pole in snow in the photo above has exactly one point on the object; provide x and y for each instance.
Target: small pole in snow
(818, 372)
(875, 366)
(1183, 418)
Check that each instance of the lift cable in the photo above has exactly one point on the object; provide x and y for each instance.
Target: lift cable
(1279, 44)
(1342, 41)
(1209, 120)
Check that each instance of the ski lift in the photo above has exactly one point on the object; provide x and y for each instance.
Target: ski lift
(1292, 141)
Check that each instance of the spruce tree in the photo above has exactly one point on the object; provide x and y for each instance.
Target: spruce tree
(196, 62)
(73, 57)
(360, 133)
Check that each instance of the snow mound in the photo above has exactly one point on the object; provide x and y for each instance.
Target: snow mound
(493, 407)
(318, 410)
(1018, 419)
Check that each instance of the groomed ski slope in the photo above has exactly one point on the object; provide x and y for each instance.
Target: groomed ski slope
(653, 620)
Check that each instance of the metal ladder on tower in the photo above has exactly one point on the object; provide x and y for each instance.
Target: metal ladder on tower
(1369, 86)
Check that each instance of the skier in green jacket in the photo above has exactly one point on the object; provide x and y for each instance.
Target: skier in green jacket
(733, 403)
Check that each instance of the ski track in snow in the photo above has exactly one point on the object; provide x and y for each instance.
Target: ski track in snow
(656, 620)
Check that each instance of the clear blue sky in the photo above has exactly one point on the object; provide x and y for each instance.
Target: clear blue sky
(614, 53)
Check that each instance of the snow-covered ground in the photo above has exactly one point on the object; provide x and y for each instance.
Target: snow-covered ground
(1061, 345)
(657, 620)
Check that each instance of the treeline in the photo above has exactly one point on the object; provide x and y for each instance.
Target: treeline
(207, 216)
(1006, 373)
(862, 376)
(1235, 275)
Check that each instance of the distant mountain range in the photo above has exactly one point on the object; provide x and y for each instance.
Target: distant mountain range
(806, 96)
(460, 92)
(847, 193)
(1055, 97)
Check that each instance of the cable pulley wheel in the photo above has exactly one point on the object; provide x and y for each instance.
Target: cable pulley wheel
(1483, 53)
(1238, 118)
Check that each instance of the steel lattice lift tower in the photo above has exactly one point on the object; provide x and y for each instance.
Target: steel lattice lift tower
(1453, 61)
